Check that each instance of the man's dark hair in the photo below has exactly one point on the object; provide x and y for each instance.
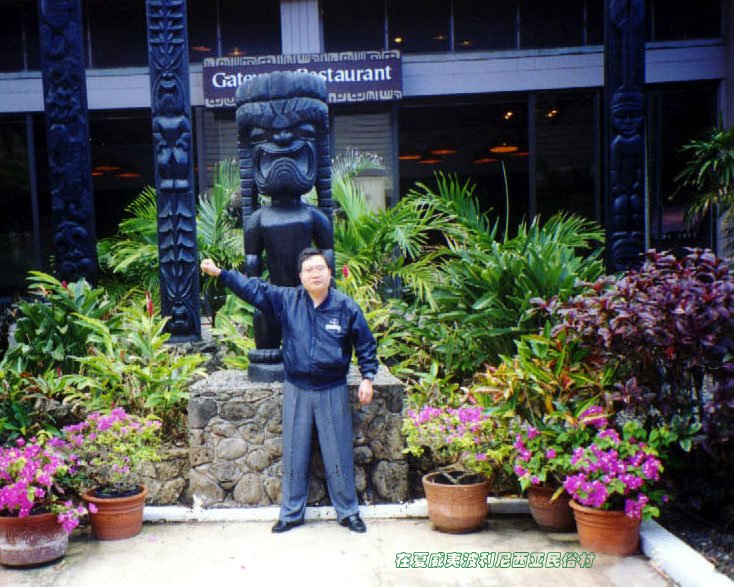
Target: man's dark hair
(307, 254)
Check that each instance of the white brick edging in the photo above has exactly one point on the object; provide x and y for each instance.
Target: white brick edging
(676, 559)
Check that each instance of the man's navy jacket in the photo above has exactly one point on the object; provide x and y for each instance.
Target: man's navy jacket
(317, 342)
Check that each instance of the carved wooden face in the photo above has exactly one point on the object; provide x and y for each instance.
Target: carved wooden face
(627, 113)
(284, 157)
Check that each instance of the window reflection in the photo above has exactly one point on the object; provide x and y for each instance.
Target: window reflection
(677, 113)
(685, 19)
(117, 32)
(359, 28)
(16, 220)
(122, 162)
(566, 153)
(11, 32)
(471, 140)
(250, 28)
(202, 29)
(419, 28)
(551, 23)
(479, 24)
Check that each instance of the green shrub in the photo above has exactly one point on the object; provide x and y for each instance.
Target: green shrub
(133, 369)
(53, 328)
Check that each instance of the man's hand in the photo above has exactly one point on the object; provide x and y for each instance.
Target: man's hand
(210, 268)
(365, 392)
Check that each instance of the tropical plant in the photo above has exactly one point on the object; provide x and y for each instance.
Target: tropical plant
(486, 291)
(548, 375)
(53, 328)
(709, 171)
(135, 370)
(233, 330)
(132, 255)
(668, 330)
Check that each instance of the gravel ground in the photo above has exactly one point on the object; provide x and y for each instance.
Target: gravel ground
(714, 543)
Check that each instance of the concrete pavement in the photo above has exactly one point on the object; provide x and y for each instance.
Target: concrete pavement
(323, 553)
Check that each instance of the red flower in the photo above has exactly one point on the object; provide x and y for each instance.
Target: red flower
(149, 304)
(64, 284)
(345, 270)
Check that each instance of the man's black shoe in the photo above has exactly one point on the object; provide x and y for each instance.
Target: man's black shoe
(281, 526)
(354, 523)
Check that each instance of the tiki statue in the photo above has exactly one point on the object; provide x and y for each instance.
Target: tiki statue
(283, 126)
(627, 164)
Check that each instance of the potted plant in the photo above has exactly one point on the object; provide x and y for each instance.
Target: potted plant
(464, 441)
(111, 448)
(36, 512)
(612, 486)
(542, 460)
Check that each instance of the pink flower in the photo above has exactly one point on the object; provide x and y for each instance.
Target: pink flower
(550, 453)
(345, 271)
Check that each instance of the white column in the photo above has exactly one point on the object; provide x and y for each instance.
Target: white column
(300, 24)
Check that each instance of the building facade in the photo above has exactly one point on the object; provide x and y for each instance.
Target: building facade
(477, 76)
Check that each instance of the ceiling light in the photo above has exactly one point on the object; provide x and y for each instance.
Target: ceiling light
(504, 148)
(484, 160)
(429, 161)
(443, 151)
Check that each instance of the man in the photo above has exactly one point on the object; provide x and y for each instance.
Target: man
(321, 327)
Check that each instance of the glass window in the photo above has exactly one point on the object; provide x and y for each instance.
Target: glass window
(359, 28)
(685, 19)
(566, 153)
(677, 113)
(30, 16)
(594, 22)
(551, 23)
(11, 32)
(201, 18)
(16, 218)
(118, 34)
(479, 24)
(419, 27)
(473, 141)
(250, 28)
(367, 132)
(122, 162)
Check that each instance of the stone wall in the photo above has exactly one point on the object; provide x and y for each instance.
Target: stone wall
(167, 480)
(236, 445)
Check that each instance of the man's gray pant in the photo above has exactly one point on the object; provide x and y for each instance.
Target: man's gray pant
(333, 415)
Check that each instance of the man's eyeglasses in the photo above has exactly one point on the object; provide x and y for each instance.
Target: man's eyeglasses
(315, 269)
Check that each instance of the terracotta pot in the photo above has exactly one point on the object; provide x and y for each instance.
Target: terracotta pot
(116, 517)
(606, 532)
(31, 540)
(456, 509)
(551, 515)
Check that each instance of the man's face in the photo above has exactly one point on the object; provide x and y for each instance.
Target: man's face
(315, 275)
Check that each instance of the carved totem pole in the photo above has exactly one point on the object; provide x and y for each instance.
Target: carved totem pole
(283, 126)
(624, 73)
(168, 57)
(67, 131)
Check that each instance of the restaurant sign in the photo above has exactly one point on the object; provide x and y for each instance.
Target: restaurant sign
(355, 76)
